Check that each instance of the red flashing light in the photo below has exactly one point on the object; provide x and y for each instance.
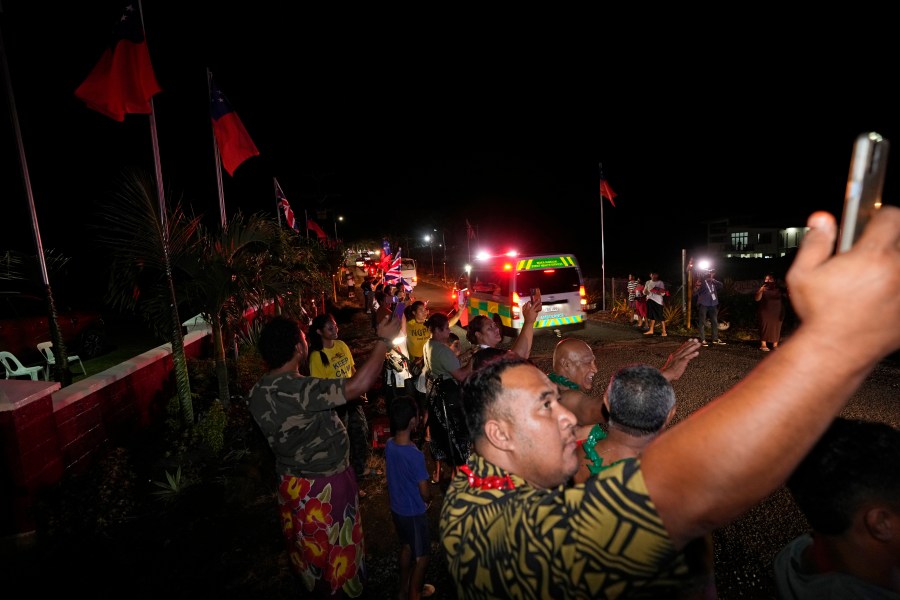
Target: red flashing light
(507, 267)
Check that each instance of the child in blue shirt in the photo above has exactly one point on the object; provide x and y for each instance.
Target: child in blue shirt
(408, 491)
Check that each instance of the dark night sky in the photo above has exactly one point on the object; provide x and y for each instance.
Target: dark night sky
(403, 123)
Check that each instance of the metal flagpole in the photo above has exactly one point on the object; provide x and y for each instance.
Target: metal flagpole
(62, 372)
(278, 208)
(602, 246)
(216, 157)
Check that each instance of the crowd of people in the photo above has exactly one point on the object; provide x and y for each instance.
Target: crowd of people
(558, 493)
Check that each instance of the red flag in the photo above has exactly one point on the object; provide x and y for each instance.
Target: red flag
(235, 145)
(607, 192)
(122, 82)
(310, 224)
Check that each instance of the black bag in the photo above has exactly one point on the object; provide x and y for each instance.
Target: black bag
(415, 368)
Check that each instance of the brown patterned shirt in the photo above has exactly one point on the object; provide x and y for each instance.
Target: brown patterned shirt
(600, 539)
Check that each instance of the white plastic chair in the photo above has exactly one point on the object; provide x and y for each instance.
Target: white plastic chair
(14, 368)
(46, 349)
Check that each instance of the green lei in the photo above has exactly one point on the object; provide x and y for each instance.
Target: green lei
(560, 380)
(595, 436)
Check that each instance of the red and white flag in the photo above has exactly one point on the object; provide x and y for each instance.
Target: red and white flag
(285, 206)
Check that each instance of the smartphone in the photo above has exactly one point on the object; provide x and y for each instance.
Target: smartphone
(535, 296)
(864, 184)
(398, 310)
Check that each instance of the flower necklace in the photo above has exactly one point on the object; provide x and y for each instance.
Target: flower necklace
(491, 482)
(563, 381)
(593, 437)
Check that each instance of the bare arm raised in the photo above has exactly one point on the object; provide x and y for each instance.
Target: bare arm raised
(744, 444)
(522, 345)
(678, 360)
(364, 377)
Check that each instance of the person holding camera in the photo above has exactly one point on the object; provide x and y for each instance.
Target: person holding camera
(770, 299)
(706, 295)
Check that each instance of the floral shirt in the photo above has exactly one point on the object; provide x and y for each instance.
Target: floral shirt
(599, 539)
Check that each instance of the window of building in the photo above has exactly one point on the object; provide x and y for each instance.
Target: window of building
(739, 240)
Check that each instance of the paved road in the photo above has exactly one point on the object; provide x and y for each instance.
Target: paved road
(744, 550)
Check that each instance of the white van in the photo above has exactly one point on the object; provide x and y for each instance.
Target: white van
(408, 271)
(499, 286)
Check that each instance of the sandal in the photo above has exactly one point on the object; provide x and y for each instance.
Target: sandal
(763, 348)
(427, 590)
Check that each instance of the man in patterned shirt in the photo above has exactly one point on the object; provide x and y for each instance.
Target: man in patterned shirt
(511, 527)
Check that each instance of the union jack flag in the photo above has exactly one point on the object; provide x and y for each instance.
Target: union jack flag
(283, 204)
(393, 276)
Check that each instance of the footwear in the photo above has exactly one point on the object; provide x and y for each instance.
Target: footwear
(763, 348)
(719, 343)
(704, 344)
(362, 493)
(427, 590)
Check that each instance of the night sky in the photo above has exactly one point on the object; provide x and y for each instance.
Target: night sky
(407, 123)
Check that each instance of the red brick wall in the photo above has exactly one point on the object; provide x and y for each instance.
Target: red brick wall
(46, 431)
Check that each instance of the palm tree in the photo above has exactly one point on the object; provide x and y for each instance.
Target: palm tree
(142, 252)
(221, 270)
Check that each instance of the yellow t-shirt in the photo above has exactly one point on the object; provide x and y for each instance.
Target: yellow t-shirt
(416, 336)
(340, 362)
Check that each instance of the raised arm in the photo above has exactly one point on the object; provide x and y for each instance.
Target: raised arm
(522, 345)
(726, 457)
(364, 377)
(678, 360)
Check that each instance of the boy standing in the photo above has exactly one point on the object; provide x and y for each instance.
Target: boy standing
(408, 492)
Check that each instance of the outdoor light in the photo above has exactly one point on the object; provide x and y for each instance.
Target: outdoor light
(704, 265)
(468, 269)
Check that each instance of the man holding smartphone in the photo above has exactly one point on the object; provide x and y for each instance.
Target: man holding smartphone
(513, 491)
(706, 295)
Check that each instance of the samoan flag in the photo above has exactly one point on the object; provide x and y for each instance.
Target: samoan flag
(235, 144)
(122, 81)
(393, 277)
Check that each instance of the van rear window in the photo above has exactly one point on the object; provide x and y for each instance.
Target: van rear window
(551, 281)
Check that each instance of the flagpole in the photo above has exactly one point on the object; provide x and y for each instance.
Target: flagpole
(306, 222)
(277, 202)
(61, 373)
(602, 246)
(216, 157)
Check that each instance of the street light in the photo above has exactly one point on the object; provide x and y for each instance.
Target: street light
(431, 247)
(339, 218)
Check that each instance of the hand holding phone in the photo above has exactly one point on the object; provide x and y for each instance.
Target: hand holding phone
(864, 185)
(398, 310)
(535, 296)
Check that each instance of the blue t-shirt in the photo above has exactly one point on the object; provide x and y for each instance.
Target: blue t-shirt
(405, 469)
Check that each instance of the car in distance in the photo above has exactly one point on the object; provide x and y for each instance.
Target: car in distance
(24, 323)
(408, 271)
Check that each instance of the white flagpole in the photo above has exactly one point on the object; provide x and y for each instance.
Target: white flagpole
(216, 156)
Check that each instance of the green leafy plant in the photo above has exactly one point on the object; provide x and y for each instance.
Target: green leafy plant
(172, 487)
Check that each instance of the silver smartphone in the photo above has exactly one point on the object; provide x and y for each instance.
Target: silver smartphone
(864, 184)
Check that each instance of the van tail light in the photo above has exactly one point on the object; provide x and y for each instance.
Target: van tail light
(582, 295)
(516, 309)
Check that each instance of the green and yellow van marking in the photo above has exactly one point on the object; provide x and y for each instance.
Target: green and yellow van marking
(546, 262)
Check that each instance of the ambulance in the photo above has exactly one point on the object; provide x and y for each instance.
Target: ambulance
(499, 286)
